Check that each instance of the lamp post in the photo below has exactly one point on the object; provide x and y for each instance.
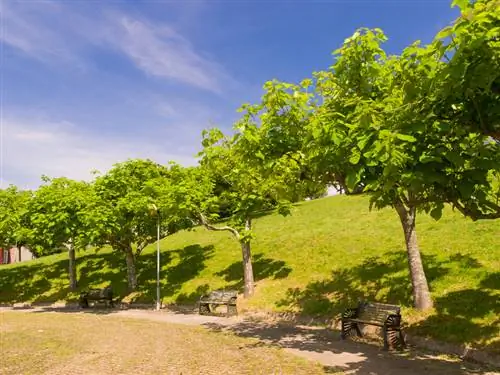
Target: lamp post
(158, 302)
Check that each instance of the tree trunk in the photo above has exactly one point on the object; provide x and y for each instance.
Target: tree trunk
(19, 252)
(247, 263)
(342, 185)
(421, 295)
(131, 274)
(72, 267)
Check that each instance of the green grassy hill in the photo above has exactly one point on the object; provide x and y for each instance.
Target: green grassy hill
(325, 256)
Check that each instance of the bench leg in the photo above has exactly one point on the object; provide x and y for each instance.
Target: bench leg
(347, 327)
(402, 338)
(386, 341)
(343, 333)
(204, 309)
(358, 331)
(231, 310)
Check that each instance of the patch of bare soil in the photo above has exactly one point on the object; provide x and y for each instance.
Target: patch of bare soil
(78, 343)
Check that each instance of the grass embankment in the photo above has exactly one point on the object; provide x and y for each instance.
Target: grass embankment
(325, 256)
(92, 344)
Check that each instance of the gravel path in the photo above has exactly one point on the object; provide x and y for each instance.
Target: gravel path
(317, 344)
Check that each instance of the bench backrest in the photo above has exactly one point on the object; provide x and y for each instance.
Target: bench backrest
(222, 295)
(99, 293)
(376, 312)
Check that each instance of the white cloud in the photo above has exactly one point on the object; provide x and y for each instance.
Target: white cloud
(31, 149)
(58, 32)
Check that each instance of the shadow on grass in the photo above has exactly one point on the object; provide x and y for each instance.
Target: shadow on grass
(43, 283)
(233, 275)
(462, 316)
(191, 261)
(263, 268)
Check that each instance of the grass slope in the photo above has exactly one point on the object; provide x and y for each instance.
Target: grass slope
(325, 256)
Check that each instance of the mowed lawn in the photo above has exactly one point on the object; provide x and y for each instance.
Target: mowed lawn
(325, 256)
(59, 343)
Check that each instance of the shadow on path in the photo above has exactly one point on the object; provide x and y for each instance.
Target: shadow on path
(326, 347)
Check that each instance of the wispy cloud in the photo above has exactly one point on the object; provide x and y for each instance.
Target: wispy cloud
(33, 148)
(160, 51)
(23, 29)
(55, 32)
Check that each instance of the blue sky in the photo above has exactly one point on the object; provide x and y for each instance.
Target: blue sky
(88, 83)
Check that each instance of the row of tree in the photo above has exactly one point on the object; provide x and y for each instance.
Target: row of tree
(416, 131)
(121, 208)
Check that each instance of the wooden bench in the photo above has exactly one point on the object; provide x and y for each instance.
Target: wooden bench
(385, 316)
(105, 295)
(209, 302)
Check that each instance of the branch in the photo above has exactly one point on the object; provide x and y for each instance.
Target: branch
(474, 214)
(481, 121)
(206, 224)
(141, 247)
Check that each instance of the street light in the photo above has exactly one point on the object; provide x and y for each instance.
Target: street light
(158, 302)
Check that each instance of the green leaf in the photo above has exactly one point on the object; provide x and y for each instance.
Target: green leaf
(455, 158)
(352, 179)
(466, 189)
(355, 156)
(260, 155)
(335, 138)
(462, 4)
(444, 33)
(406, 137)
(362, 142)
(437, 212)
(426, 158)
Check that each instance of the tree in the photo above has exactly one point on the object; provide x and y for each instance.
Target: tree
(260, 166)
(124, 217)
(57, 219)
(403, 156)
(13, 210)
(220, 158)
(250, 185)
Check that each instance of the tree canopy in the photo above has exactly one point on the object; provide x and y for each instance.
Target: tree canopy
(13, 214)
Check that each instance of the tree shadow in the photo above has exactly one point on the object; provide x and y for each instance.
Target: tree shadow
(263, 268)
(376, 278)
(39, 282)
(191, 261)
(338, 355)
(492, 281)
(462, 316)
(189, 298)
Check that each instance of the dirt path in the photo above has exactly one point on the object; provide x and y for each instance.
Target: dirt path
(317, 344)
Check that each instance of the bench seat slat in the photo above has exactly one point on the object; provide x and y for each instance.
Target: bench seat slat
(371, 322)
(218, 302)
